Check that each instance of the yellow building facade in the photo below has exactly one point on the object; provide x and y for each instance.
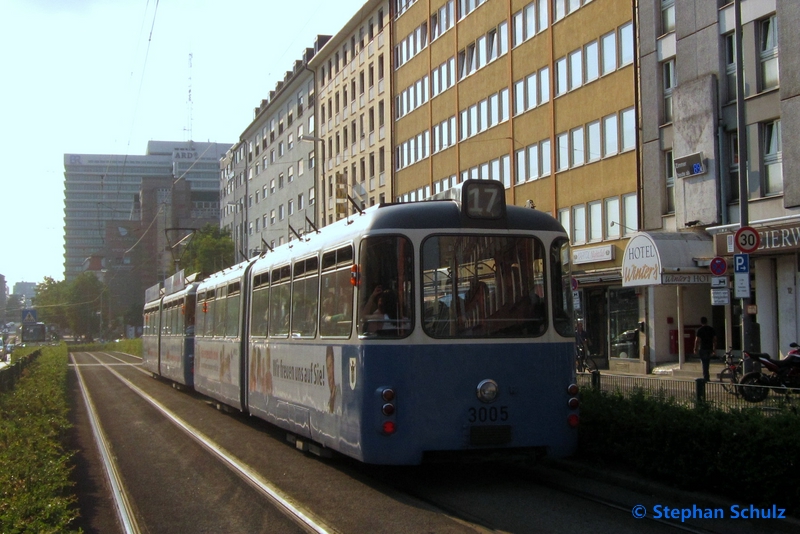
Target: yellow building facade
(537, 94)
(352, 136)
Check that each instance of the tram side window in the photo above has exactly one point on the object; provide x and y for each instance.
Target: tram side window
(336, 317)
(220, 311)
(209, 313)
(385, 294)
(484, 286)
(232, 315)
(279, 302)
(561, 287)
(305, 294)
(260, 306)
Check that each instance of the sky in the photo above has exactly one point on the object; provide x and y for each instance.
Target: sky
(107, 76)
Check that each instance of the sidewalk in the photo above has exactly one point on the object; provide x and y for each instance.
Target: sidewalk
(692, 368)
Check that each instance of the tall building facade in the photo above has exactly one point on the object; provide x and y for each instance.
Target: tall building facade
(353, 136)
(692, 161)
(266, 180)
(124, 214)
(539, 95)
(100, 190)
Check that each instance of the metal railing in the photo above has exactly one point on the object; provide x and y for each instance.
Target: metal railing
(718, 395)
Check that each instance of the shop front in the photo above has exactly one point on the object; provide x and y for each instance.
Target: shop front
(668, 275)
(607, 311)
(774, 270)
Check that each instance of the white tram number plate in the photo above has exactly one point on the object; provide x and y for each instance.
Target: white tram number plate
(488, 414)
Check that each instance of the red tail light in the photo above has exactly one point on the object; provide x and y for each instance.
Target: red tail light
(389, 427)
(573, 420)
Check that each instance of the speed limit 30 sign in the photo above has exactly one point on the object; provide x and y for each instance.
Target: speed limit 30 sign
(747, 239)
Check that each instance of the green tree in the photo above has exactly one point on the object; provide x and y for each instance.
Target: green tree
(209, 250)
(51, 302)
(14, 307)
(85, 296)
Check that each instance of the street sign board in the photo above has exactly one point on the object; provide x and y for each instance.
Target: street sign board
(741, 263)
(29, 316)
(747, 239)
(720, 297)
(718, 266)
(719, 282)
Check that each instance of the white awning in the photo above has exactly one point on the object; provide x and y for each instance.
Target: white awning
(656, 258)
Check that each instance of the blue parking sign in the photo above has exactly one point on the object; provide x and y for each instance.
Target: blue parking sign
(741, 263)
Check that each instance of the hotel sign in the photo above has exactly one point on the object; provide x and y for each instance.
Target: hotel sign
(641, 265)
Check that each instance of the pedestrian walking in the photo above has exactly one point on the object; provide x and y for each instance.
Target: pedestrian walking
(705, 343)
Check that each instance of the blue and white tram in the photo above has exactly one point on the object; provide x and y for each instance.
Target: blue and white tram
(410, 328)
(168, 333)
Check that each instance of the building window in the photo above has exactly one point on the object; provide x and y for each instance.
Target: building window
(546, 159)
(563, 218)
(561, 76)
(592, 58)
(730, 65)
(668, 75)
(593, 148)
(667, 16)
(576, 136)
(769, 53)
(575, 69)
(773, 168)
(630, 222)
(669, 172)
(609, 43)
(628, 130)
(626, 46)
(612, 218)
(611, 144)
(595, 221)
(562, 152)
(579, 224)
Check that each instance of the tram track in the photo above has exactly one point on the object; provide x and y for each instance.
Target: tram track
(300, 516)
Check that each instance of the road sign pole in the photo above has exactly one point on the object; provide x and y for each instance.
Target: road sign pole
(741, 128)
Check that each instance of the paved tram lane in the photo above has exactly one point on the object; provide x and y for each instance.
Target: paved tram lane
(176, 485)
(173, 484)
(328, 488)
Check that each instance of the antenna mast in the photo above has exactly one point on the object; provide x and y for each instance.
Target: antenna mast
(189, 102)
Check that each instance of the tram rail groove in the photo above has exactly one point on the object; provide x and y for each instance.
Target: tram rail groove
(301, 517)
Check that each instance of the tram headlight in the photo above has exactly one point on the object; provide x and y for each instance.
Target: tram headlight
(488, 391)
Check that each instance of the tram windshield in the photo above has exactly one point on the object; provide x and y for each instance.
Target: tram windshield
(484, 286)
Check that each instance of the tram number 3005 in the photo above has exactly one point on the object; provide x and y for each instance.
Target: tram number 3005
(488, 414)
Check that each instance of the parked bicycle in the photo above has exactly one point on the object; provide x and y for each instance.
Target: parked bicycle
(583, 360)
(732, 372)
